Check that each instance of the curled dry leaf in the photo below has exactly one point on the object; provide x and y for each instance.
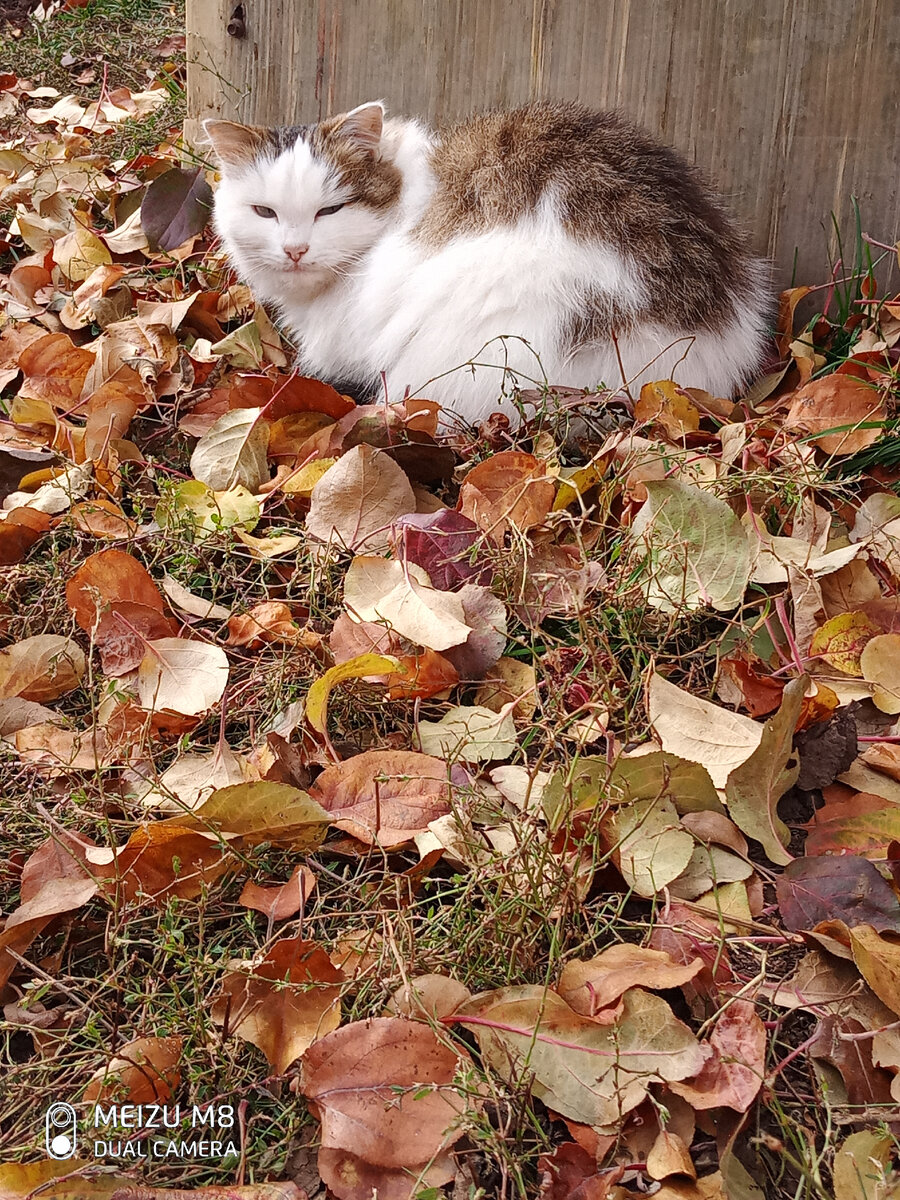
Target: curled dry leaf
(186, 677)
(508, 490)
(279, 903)
(43, 667)
(384, 1092)
(754, 788)
(283, 1003)
(145, 1071)
(595, 984)
(361, 667)
(55, 897)
(355, 502)
(384, 797)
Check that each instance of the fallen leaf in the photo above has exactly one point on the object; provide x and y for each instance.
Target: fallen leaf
(233, 452)
(699, 731)
(696, 552)
(880, 664)
(107, 580)
(877, 955)
(836, 886)
(184, 676)
(259, 811)
(447, 546)
(160, 860)
(592, 985)
(355, 502)
(401, 596)
(384, 1092)
(664, 403)
(507, 490)
(861, 1168)
(145, 1071)
(753, 788)
(384, 797)
(585, 1071)
(43, 667)
(733, 1076)
(286, 900)
(284, 1002)
(176, 206)
(833, 402)
(354, 668)
(470, 733)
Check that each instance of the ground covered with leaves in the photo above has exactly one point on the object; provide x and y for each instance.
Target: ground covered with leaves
(498, 812)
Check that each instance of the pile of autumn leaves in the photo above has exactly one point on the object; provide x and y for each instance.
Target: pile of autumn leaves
(285, 471)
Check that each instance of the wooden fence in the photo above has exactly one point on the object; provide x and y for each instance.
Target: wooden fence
(791, 106)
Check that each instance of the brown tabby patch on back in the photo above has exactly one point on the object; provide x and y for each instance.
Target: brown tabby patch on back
(614, 184)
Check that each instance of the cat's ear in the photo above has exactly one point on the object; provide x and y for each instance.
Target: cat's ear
(362, 126)
(235, 145)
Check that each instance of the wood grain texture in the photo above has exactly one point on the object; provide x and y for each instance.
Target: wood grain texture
(789, 106)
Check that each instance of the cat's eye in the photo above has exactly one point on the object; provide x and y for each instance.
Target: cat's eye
(332, 208)
(262, 210)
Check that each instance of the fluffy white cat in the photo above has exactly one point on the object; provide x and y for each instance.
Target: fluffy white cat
(553, 242)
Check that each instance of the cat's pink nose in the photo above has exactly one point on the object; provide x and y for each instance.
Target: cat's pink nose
(295, 253)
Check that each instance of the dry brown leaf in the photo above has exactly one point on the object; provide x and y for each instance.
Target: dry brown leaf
(104, 581)
(834, 401)
(283, 1003)
(509, 489)
(279, 903)
(355, 502)
(145, 1071)
(384, 797)
(384, 1093)
(592, 985)
(734, 1075)
(43, 667)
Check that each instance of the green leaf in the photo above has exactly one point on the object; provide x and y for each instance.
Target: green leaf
(698, 553)
(260, 811)
(211, 511)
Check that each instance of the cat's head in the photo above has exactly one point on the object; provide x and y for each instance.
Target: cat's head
(297, 207)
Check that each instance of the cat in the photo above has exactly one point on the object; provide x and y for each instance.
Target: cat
(564, 244)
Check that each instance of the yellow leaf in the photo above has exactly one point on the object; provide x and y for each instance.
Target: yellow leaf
(353, 668)
(302, 482)
(79, 253)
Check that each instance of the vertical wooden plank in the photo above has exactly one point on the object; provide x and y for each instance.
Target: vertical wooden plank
(788, 105)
